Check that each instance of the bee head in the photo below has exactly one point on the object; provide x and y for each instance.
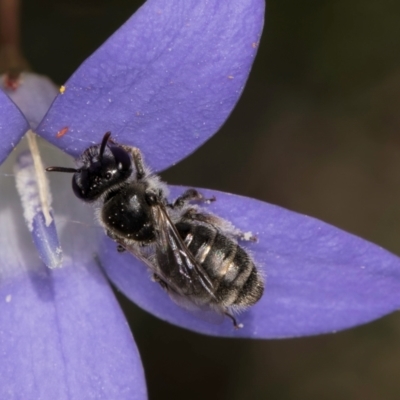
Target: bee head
(102, 167)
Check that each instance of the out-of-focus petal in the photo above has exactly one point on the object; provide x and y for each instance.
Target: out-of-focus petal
(13, 125)
(164, 82)
(62, 333)
(319, 279)
(33, 94)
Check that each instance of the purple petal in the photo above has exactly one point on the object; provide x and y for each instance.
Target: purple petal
(164, 82)
(33, 96)
(13, 126)
(62, 335)
(319, 279)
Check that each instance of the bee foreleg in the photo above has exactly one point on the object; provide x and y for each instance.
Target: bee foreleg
(188, 196)
(137, 160)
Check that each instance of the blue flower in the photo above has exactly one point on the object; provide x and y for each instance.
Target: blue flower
(164, 82)
(62, 333)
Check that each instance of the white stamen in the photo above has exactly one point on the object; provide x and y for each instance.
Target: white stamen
(44, 234)
(42, 182)
(27, 188)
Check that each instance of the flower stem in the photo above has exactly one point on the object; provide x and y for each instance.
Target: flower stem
(11, 57)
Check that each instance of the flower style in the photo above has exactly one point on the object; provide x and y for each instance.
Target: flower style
(164, 82)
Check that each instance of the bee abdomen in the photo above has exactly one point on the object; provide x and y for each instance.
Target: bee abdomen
(251, 291)
(228, 265)
(241, 285)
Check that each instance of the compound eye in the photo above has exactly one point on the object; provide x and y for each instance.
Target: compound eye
(121, 158)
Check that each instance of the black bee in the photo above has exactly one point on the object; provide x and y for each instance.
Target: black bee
(194, 255)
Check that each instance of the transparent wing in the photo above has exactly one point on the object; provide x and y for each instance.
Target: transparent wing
(171, 261)
(143, 253)
(176, 263)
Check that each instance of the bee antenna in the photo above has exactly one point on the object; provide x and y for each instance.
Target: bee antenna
(103, 144)
(62, 169)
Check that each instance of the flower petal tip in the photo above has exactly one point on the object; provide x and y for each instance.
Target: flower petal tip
(45, 239)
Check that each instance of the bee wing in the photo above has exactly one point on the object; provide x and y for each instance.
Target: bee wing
(148, 257)
(144, 254)
(176, 263)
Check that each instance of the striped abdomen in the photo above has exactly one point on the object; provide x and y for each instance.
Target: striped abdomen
(235, 277)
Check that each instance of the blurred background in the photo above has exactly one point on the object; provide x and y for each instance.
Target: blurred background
(316, 131)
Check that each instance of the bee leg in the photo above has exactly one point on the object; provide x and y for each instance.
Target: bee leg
(194, 215)
(225, 226)
(120, 248)
(235, 323)
(188, 196)
(136, 156)
(240, 235)
(185, 197)
(137, 160)
(246, 236)
(112, 236)
(157, 279)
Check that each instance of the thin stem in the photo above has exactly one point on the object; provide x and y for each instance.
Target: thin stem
(11, 58)
(9, 22)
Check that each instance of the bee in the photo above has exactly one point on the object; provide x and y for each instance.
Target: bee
(194, 255)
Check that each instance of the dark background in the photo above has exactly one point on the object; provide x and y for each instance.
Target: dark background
(316, 131)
